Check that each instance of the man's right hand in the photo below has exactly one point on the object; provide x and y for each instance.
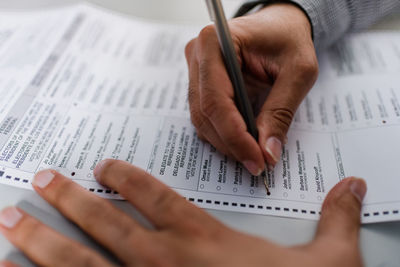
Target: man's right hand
(278, 60)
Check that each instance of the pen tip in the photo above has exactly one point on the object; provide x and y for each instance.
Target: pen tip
(266, 184)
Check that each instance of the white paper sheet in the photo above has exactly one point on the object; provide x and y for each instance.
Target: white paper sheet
(80, 84)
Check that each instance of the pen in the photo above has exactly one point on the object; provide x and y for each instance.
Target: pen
(242, 101)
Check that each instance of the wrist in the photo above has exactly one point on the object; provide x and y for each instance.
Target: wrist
(293, 14)
(248, 7)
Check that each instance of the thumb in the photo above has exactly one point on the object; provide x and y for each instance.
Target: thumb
(340, 217)
(278, 111)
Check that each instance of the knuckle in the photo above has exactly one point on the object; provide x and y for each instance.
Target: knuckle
(209, 106)
(189, 48)
(308, 69)
(284, 116)
(28, 231)
(192, 93)
(206, 32)
(62, 192)
(205, 75)
(208, 96)
(193, 98)
(165, 200)
(199, 122)
(169, 206)
(281, 118)
(196, 119)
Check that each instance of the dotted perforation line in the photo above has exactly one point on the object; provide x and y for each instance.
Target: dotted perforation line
(277, 208)
(104, 191)
(219, 203)
(252, 206)
(16, 179)
(26, 181)
(377, 213)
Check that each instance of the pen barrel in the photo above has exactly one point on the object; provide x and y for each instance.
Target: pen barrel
(232, 66)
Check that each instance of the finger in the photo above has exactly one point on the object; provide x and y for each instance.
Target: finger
(293, 82)
(7, 264)
(43, 245)
(217, 104)
(340, 218)
(202, 124)
(108, 225)
(189, 51)
(157, 202)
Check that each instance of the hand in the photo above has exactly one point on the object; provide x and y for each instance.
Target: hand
(184, 235)
(275, 49)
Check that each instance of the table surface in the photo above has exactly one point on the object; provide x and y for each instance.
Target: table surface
(380, 243)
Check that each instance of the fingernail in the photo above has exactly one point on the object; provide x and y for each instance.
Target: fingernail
(358, 188)
(99, 168)
(9, 217)
(43, 178)
(252, 167)
(274, 148)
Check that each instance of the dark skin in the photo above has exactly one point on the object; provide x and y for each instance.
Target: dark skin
(279, 63)
(183, 234)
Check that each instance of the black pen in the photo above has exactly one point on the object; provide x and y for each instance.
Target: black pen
(242, 101)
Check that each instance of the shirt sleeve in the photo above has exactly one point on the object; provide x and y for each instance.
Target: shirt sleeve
(331, 19)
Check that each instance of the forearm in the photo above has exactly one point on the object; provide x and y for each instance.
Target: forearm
(331, 19)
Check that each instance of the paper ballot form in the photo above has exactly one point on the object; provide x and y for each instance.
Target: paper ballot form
(80, 84)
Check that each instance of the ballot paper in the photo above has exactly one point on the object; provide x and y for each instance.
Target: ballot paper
(80, 84)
